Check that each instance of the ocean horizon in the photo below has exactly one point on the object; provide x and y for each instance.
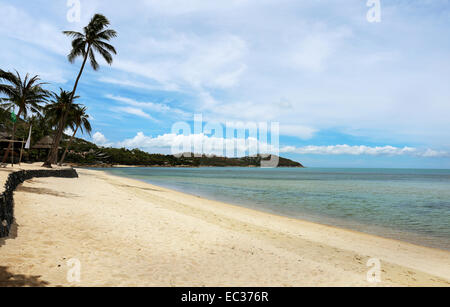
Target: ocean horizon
(410, 205)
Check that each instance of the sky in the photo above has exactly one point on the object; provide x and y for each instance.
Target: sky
(346, 92)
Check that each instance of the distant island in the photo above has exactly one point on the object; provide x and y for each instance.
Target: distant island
(84, 153)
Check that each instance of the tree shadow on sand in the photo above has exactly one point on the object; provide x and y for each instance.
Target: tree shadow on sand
(8, 279)
(43, 191)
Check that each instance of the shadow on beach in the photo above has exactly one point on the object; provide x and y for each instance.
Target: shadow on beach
(22, 188)
(8, 279)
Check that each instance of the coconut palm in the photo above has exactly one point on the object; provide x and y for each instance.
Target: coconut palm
(25, 94)
(61, 104)
(78, 120)
(94, 39)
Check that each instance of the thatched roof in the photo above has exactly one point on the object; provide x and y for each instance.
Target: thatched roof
(5, 137)
(45, 143)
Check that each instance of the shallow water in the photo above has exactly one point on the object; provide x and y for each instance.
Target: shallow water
(405, 204)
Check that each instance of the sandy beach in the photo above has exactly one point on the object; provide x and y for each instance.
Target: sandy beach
(130, 233)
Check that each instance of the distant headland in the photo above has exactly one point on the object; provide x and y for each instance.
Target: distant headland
(85, 153)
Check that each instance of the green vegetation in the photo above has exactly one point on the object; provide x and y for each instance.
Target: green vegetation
(25, 94)
(50, 114)
(86, 153)
(51, 118)
(78, 120)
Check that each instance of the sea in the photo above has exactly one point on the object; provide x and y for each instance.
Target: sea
(411, 205)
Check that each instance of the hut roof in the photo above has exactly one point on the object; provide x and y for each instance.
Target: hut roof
(45, 143)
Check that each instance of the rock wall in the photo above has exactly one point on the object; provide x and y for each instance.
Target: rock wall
(14, 180)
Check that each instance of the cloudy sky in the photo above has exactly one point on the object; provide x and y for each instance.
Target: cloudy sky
(346, 92)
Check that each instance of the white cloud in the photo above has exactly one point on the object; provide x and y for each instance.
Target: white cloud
(183, 7)
(17, 23)
(99, 139)
(197, 143)
(312, 54)
(150, 106)
(217, 145)
(137, 84)
(68, 131)
(31, 44)
(280, 112)
(299, 131)
(362, 150)
(133, 111)
(314, 50)
(429, 153)
(186, 62)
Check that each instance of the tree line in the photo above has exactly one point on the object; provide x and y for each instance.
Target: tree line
(51, 113)
(57, 111)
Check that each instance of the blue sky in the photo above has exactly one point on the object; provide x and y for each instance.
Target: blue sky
(346, 92)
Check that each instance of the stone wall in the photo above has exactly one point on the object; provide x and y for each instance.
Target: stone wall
(14, 180)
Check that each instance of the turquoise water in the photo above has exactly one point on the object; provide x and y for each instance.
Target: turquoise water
(404, 204)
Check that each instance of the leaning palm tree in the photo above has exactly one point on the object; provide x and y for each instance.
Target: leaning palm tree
(27, 95)
(79, 120)
(93, 39)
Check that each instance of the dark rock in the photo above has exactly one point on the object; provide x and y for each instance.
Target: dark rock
(13, 181)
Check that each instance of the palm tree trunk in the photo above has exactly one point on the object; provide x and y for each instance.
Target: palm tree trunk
(81, 71)
(5, 156)
(67, 147)
(53, 155)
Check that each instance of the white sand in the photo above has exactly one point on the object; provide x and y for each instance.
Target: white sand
(129, 233)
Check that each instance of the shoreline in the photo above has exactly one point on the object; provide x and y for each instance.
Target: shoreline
(418, 237)
(169, 166)
(278, 216)
(126, 232)
(108, 166)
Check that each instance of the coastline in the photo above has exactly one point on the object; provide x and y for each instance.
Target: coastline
(271, 213)
(128, 232)
(112, 166)
(413, 231)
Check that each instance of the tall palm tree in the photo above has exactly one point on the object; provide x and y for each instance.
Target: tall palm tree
(79, 120)
(27, 95)
(93, 39)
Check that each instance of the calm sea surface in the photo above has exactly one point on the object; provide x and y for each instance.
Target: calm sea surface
(405, 204)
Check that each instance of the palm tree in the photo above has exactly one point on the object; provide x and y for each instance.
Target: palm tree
(78, 119)
(27, 95)
(93, 39)
(58, 106)
(61, 104)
